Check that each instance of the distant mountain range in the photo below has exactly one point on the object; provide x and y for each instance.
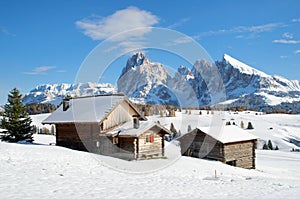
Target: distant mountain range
(149, 82)
(54, 93)
(144, 81)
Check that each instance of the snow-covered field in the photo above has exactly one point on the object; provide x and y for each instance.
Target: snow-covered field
(41, 170)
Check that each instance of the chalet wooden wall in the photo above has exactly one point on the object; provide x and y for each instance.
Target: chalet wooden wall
(243, 153)
(82, 136)
(121, 114)
(150, 149)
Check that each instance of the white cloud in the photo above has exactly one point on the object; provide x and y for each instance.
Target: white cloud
(183, 40)
(286, 41)
(296, 20)
(6, 32)
(39, 70)
(287, 35)
(297, 51)
(130, 18)
(243, 29)
(61, 71)
(179, 23)
(283, 56)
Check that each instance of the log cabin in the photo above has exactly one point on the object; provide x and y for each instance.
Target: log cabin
(109, 125)
(231, 145)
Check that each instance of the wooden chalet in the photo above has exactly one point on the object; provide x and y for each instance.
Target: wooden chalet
(109, 125)
(231, 145)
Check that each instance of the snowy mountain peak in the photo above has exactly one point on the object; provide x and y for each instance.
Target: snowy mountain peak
(243, 68)
(182, 70)
(54, 93)
(135, 61)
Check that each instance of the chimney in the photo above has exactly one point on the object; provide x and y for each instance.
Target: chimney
(136, 122)
(66, 104)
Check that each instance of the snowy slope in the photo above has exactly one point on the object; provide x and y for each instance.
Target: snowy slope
(54, 93)
(43, 171)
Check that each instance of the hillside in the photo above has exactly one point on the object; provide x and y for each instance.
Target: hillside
(56, 172)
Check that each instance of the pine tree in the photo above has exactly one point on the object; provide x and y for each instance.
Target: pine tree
(270, 145)
(179, 133)
(250, 126)
(172, 128)
(189, 128)
(16, 120)
(265, 146)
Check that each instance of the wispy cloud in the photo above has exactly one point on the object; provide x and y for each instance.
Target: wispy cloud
(183, 40)
(100, 28)
(297, 51)
(6, 32)
(243, 29)
(178, 23)
(41, 70)
(296, 20)
(287, 35)
(61, 71)
(283, 56)
(286, 41)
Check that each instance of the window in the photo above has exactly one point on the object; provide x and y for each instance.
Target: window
(150, 138)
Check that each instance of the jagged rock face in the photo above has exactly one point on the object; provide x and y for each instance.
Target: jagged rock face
(140, 76)
(54, 93)
(244, 85)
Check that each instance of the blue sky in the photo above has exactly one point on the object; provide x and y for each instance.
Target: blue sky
(46, 41)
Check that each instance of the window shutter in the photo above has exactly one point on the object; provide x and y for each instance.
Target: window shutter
(152, 138)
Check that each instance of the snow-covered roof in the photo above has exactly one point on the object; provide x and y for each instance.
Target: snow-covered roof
(127, 129)
(228, 134)
(86, 109)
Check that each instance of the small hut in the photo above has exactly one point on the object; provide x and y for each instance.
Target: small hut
(231, 145)
(134, 141)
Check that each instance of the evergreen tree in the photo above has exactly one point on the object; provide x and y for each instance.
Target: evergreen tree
(250, 126)
(189, 128)
(265, 147)
(16, 120)
(276, 148)
(172, 128)
(270, 145)
(179, 133)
